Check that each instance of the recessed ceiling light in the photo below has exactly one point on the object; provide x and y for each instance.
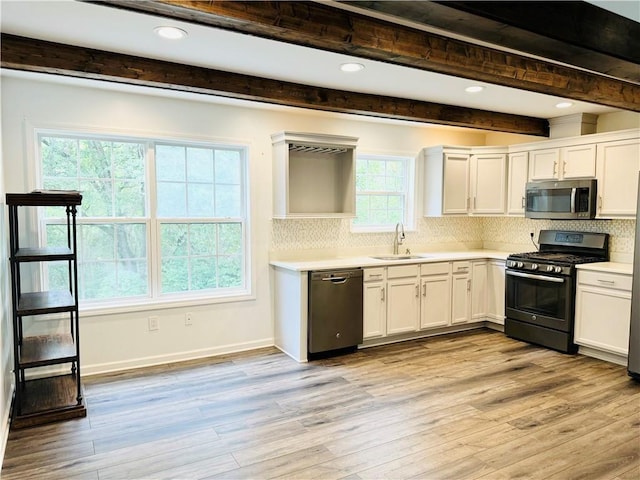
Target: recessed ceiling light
(351, 67)
(171, 33)
(474, 89)
(564, 105)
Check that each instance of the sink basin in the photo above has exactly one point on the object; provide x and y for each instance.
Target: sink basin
(398, 257)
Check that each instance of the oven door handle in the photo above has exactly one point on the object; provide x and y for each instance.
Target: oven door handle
(535, 277)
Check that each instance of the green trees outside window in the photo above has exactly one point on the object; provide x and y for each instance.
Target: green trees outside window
(156, 219)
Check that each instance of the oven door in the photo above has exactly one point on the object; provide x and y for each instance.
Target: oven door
(540, 299)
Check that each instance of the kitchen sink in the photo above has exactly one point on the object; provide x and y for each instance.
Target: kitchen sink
(398, 257)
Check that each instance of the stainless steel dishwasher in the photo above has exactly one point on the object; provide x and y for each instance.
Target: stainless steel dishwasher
(335, 310)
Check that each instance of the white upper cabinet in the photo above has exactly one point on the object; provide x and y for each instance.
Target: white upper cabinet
(518, 173)
(488, 181)
(617, 173)
(563, 163)
(455, 194)
(462, 181)
(313, 175)
(543, 164)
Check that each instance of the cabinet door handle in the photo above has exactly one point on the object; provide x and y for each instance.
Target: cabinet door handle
(417, 290)
(382, 294)
(564, 169)
(523, 200)
(475, 203)
(599, 202)
(424, 289)
(555, 167)
(468, 285)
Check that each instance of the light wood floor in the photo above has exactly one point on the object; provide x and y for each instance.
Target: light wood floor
(466, 406)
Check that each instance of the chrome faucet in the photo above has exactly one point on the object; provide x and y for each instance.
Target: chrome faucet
(398, 238)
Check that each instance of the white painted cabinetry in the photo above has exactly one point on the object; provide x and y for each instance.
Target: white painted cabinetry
(463, 181)
(603, 311)
(563, 163)
(313, 175)
(478, 290)
(403, 299)
(618, 164)
(495, 291)
(518, 173)
(488, 182)
(460, 292)
(374, 302)
(435, 287)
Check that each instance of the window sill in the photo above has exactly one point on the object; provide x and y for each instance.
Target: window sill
(162, 304)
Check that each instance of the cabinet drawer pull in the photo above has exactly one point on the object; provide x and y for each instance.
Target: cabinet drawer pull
(375, 274)
(607, 282)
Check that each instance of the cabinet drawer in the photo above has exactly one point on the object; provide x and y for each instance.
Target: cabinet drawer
(461, 267)
(402, 271)
(373, 274)
(434, 268)
(605, 280)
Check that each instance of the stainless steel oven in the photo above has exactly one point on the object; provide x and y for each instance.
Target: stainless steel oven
(540, 287)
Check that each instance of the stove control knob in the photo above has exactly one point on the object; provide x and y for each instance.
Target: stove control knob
(520, 264)
(534, 266)
(549, 268)
(511, 263)
(557, 269)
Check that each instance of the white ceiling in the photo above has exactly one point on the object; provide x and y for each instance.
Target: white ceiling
(111, 29)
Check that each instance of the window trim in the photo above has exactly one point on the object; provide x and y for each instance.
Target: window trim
(150, 139)
(409, 222)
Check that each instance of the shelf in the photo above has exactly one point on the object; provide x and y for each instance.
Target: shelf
(46, 400)
(45, 198)
(36, 303)
(44, 254)
(47, 350)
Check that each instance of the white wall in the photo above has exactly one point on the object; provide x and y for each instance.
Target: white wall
(121, 340)
(6, 332)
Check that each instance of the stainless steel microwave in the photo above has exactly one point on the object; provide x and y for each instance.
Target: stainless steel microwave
(562, 199)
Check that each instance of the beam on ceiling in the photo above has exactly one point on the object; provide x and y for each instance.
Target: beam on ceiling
(570, 32)
(328, 27)
(27, 54)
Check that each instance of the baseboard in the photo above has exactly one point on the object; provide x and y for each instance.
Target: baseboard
(98, 368)
(602, 355)
(5, 420)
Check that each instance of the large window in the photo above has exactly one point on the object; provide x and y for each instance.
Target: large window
(157, 220)
(384, 192)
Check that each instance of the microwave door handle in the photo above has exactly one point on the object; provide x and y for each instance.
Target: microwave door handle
(573, 200)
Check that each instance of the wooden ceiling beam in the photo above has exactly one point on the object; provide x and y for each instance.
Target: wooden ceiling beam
(327, 27)
(27, 54)
(571, 32)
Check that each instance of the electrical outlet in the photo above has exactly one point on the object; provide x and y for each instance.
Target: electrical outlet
(154, 324)
(188, 319)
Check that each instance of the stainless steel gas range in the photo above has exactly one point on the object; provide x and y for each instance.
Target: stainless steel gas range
(541, 287)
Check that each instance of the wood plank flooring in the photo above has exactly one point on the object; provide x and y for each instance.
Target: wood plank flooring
(476, 405)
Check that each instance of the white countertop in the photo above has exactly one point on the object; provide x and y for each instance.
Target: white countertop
(369, 261)
(608, 267)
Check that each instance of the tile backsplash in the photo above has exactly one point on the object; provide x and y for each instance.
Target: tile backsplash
(309, 238)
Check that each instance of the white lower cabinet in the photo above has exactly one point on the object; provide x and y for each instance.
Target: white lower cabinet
(403, 299)
(374, 292)
(603, 311)
(461, 292)
(435, 303)
(495, 291)
(478, 290)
